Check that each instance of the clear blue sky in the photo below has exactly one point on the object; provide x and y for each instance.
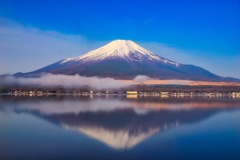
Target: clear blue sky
(202, 27)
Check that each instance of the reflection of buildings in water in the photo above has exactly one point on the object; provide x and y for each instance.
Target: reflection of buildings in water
(131, 96)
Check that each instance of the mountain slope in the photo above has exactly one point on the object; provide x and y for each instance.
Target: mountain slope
(124, 59)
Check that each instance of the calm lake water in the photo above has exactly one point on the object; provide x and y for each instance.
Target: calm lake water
(74, 127)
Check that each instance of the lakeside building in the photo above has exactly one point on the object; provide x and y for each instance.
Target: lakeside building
(131, 92)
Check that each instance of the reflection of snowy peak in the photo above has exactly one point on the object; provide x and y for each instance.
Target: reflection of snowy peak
(117, 139)
(123, 49)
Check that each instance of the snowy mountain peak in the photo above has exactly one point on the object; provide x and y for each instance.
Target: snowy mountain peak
(121, 49)
(124, 59)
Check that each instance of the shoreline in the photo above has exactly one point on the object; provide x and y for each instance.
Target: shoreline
(138, 95)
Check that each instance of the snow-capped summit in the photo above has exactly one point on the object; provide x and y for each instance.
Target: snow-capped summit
(124, 59)
(119, 49)
(122, 49)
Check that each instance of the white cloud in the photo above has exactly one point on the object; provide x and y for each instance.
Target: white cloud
(67, 81)
(141, 78)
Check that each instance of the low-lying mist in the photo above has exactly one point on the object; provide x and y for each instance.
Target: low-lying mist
(67, 81)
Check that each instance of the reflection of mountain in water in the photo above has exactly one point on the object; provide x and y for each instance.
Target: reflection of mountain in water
(118, 139)
(121, 124)
(124, 129)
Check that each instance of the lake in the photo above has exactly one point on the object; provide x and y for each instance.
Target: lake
(119, 127)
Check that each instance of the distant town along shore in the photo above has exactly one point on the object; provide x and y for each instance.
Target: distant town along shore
(132, 91)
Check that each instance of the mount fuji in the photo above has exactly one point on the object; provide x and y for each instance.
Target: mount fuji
(124, 59)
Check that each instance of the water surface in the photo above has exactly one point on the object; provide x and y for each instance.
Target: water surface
(74, 127)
